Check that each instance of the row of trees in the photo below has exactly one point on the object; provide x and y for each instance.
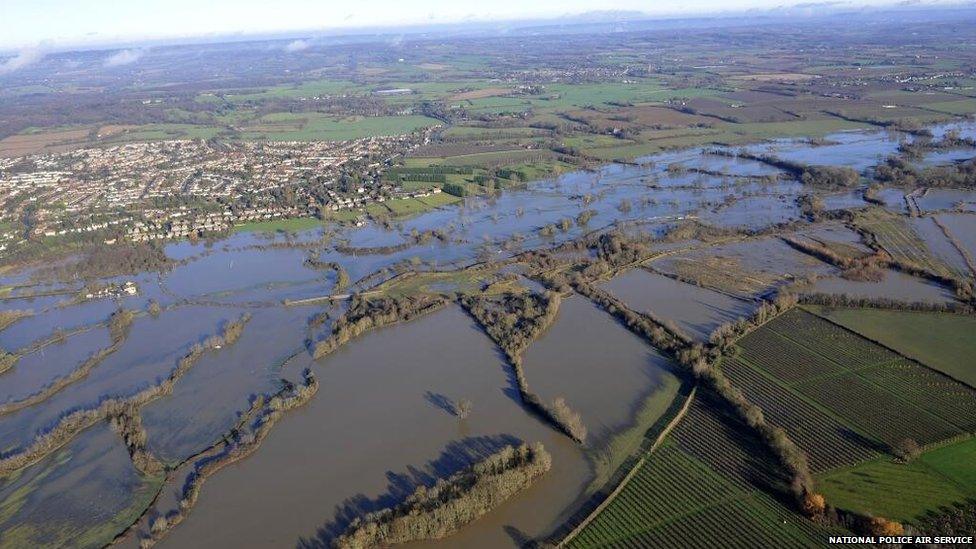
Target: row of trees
(365, 314)
(615, 250)
(901, 172)
(513, 321)
(119, 323)
(820, 177)
(74, 422)
(441, 510)
(127, 422)
(242, 442)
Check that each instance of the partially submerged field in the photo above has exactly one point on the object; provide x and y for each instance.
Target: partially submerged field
(648, 260)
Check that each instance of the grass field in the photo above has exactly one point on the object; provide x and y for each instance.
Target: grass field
(625, 443)
(962, 107)
(292, 224)
(321, 127)
(163, 132)
(906, 491)
(941, 341)
(845, 400)
(311, 88)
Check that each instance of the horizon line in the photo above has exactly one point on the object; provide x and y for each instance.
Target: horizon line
(830, 7)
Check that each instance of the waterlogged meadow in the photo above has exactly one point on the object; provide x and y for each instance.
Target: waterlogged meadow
(220, 439)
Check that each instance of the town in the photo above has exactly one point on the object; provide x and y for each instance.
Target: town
(189, 188)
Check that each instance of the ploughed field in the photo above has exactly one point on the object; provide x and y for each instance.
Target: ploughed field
(279, 387)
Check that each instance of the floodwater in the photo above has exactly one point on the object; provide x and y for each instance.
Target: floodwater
(894, 286)
(857, 150)
(601, 369)
(195, 414)
(744, 268)
(149, 354)
(963, 228)
(944, 199)
(79, 496)
(940, 246)
(38, 369)
(380, 424)
(41, 325)
(697, 311)
(829, 233)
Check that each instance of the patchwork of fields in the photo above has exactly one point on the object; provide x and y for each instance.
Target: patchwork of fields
(849, 403)
(712, 472)
(944, 342)
(871, 389)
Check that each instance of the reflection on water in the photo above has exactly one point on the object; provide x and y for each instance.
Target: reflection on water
(379, 425)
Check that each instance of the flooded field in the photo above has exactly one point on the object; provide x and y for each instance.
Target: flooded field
(745, 268)
(894, 286)
(963, 229)
(945, 199)
(939, 245)
(697, 311)
(602, 370)
(80, 496)
(392, 389)
(382, 422)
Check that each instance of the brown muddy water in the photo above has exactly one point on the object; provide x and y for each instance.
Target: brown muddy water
(381, 424)
(894, 286)
(697, 311)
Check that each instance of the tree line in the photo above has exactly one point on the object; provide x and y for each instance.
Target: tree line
(443, 509)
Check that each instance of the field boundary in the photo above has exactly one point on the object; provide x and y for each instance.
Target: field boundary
(900, 354)
(633, 471)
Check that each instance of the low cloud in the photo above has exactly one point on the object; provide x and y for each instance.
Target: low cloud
(297, 45)
(24, 58)
(124, 57)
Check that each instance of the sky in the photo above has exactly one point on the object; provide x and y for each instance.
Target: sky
(61, 23)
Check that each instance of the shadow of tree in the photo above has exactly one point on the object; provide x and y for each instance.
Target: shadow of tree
(441, 401)
(456, 456)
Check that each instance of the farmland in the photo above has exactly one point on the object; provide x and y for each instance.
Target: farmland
(897, 237)
(315, 127)
(943, 342)
(849, 403)
(708, 473)
(718, 268)
(937, 479)
(863, 384)
(829, 443)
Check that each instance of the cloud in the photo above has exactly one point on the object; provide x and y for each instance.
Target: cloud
(24, 58)
(124, 57)
(297, 45)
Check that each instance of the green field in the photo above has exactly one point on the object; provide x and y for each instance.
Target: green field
(288, 225)
(942, 341)
(163, 132)
(690, 489)
(321, 127)
(843, 399)
(305, 89)
(828, 442)
(867, 387)
(963, 107)
(906, 491)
